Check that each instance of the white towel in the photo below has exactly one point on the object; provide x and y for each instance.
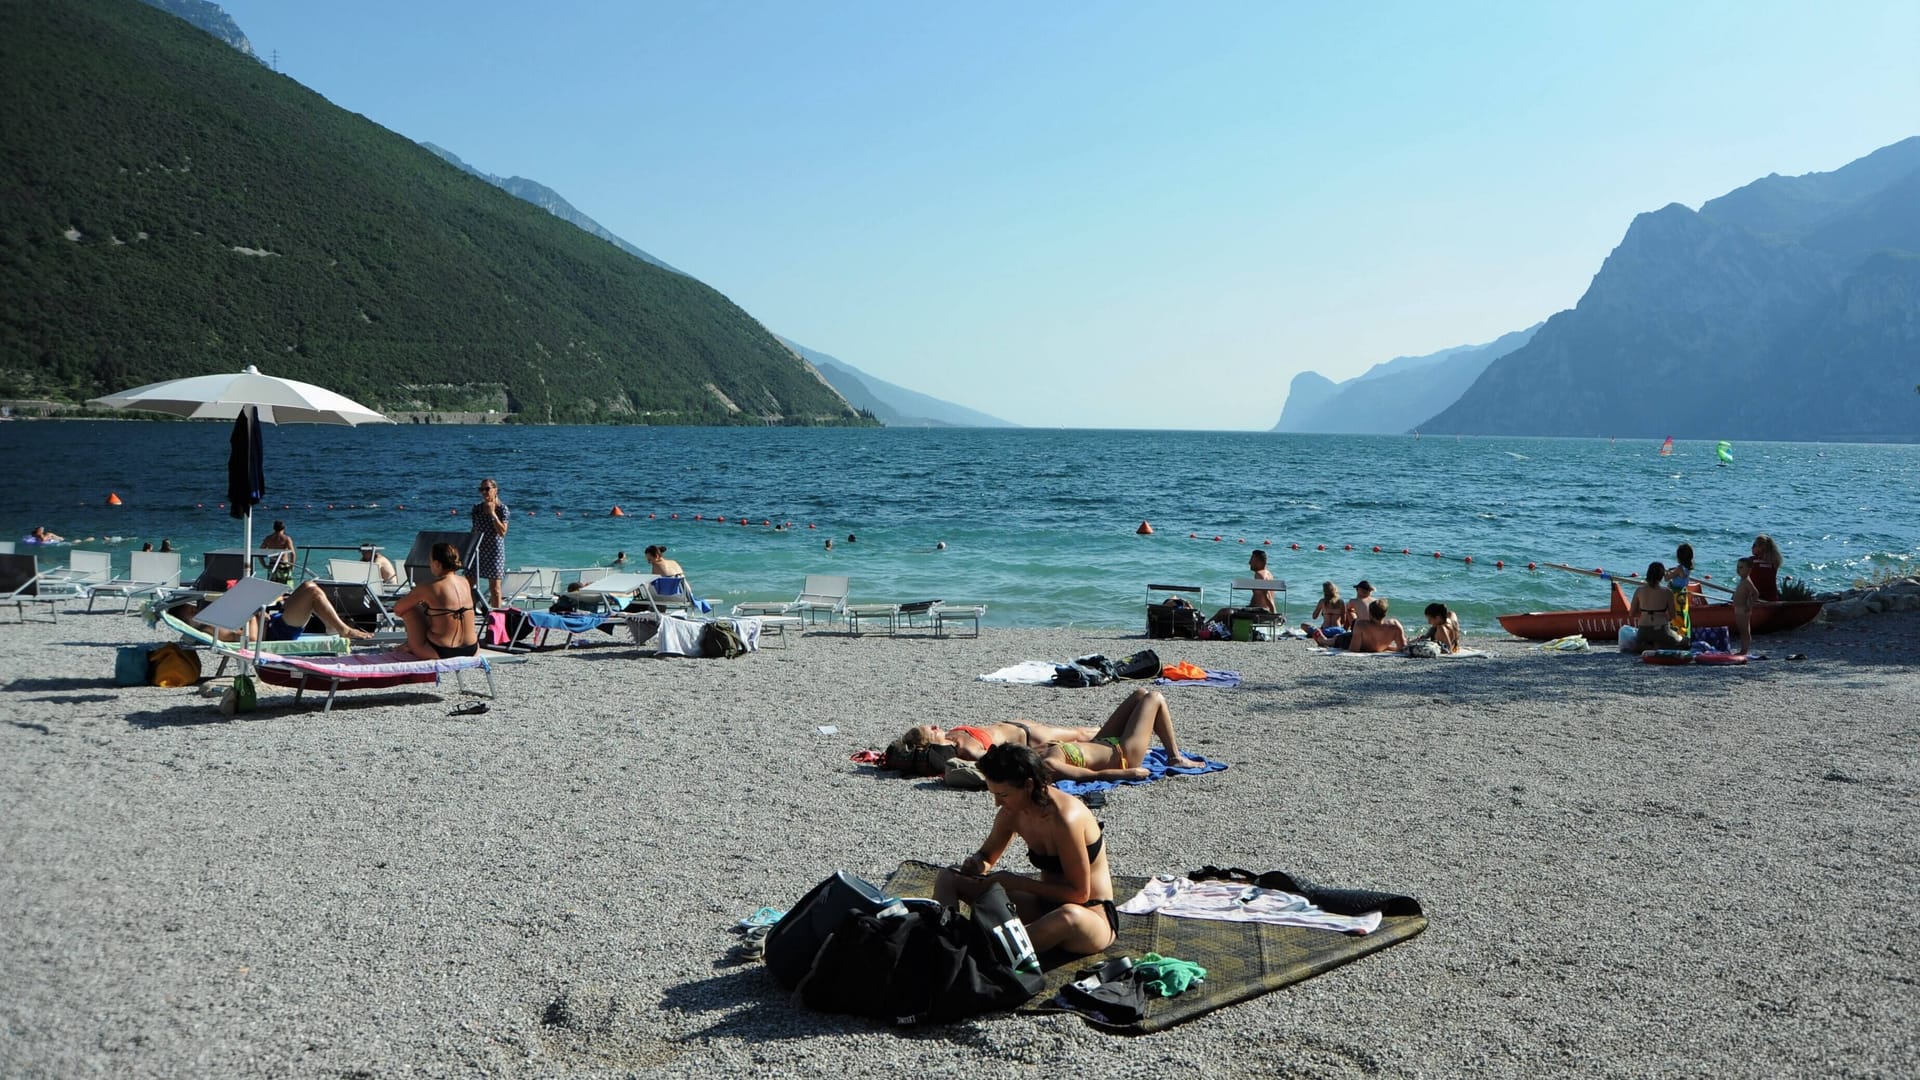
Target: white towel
(1026, 672)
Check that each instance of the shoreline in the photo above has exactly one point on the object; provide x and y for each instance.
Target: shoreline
(1601, 846)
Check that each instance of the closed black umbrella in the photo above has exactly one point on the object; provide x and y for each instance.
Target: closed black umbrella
(246, 476)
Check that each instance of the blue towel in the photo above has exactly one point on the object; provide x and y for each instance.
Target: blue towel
(1226, 680)
(1156, 764)
(576, 624)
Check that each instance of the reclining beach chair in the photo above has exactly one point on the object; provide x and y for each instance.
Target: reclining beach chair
(962, 613)
(20, 586)
(151, 572)
(419, 565)
(821, 593)
(527, 583)
(217, 568)
(84, 570)
(1275, 620)
(894, 615)
(359, 671)
(354, 571)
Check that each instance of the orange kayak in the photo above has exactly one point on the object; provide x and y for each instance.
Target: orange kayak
(1604, 625)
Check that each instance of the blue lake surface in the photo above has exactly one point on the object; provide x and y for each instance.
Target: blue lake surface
(1039, 524)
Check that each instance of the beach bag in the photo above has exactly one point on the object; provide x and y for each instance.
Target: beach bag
(240, 697)
(1093, 670)
(794, 940)
(1427, 649)
(130, 666)
(720, 641)
(1144, 664)
(171, 665)
(917, 962)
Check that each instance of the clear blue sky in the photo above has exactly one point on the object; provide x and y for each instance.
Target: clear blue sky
(1139, 215)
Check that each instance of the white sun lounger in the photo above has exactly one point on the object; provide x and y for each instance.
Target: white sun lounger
(151, 572)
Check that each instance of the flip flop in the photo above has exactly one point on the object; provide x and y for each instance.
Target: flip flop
(474, 709)
(1094, 799)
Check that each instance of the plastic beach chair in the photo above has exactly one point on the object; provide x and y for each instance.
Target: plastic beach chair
(85, 569)
(151, 572)
(821, 593)
(20, 586)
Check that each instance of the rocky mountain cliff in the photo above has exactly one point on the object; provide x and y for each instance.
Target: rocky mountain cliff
(1390, 397)
(211, 212)
(210, 17)
(1784, 310)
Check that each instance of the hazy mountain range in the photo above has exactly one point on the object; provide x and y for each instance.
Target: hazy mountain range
(894, 406)
(1394, 396)
(1787, 309)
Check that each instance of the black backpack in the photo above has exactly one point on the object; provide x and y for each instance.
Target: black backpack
(1144, 664)
(720, 641)
(917, 962)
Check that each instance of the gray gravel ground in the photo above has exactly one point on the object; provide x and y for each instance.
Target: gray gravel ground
(1630, 871)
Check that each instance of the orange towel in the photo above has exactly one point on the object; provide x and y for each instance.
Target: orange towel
(1183, 671)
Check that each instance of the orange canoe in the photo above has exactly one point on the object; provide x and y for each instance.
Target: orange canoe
(1604, 625)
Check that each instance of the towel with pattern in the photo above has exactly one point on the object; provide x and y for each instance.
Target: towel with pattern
(1156, 765)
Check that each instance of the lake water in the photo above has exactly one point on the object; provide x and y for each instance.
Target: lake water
(1039, 524)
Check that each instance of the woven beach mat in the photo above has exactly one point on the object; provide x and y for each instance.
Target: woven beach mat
(1243, 960)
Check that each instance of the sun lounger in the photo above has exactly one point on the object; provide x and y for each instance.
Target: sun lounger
(418, 569)
(533, 628)
(894, 615)
(20, 587)
(151, 572)
(360, 671)
(964, 613)
(84, 570)
(821, 593)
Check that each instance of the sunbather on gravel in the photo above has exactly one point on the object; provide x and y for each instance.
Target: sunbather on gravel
(913, 751)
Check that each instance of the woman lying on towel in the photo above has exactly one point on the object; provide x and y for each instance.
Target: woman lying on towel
(439, 614)
(1069, 904)
(926, 749)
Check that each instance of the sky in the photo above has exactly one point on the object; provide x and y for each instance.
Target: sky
(1122, 215)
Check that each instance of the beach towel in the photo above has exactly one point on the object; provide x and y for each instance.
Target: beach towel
(1156, 766)
(1243, 960)
(1226, 680)
(1024, 673)
(1462, 654)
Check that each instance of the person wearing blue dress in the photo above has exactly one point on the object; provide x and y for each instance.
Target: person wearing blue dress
(490, 519)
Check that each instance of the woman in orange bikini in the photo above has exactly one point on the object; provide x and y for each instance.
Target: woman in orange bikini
(1113, 751)
(927, 748)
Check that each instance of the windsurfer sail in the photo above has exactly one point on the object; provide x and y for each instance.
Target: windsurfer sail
(1725, 451)
(1666, 448)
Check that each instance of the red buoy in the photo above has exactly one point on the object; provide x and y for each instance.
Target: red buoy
(1436, 554)
(1376, 549)
(1295, 545)
(1320, 547)
(1349, 547)
(1406, 551)
(1499, 564)
(1144, 530)
(1531, 566)
(1468, 560)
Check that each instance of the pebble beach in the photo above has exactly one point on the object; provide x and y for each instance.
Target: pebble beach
(1630, 871)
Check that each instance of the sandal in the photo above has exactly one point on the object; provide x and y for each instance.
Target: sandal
(474, 709)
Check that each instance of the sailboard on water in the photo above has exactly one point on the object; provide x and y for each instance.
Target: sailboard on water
(1666, 448)
(1725, 452)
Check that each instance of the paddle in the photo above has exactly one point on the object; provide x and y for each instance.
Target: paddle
(1627, 577)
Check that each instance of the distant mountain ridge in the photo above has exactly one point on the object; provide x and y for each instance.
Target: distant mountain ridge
(894, 406)
(549, 200)
(1787, 309)
(1393, 396)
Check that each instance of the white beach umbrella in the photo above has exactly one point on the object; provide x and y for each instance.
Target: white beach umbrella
(221, 397)
(226, 396)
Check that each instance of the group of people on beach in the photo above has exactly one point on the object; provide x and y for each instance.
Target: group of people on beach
(1661, 608)
(1364, 625)
(1068, 903)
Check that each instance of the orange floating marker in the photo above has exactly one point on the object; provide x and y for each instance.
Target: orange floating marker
(113, 499)
(616, 512)
(1144, 530)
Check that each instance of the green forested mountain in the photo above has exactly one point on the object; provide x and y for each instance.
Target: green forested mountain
(172, 207)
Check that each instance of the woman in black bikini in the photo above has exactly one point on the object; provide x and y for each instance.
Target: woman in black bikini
(439, 614)
(1652, 611)
(1069, 905)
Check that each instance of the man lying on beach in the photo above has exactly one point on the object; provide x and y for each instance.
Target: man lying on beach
(289, 622)
(1375, 633)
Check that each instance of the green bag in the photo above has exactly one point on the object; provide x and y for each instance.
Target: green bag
(240, 697)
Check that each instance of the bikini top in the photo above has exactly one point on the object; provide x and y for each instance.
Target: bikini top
(980, 735)
(1050, 864)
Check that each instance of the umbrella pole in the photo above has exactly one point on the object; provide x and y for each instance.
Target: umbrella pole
(246, 541)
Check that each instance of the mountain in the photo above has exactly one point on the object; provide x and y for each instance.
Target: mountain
(549, 200)
(1391, 397)
(894, 406)
(1788, 309)
(210, 17)
(176, 206)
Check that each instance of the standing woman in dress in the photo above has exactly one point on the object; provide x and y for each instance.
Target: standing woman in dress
(490, 518)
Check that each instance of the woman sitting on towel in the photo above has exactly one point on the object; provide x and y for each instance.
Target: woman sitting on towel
(1652, 611)
(926, 749)
(1069, 904)
(1443, 628)
(439, 614)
